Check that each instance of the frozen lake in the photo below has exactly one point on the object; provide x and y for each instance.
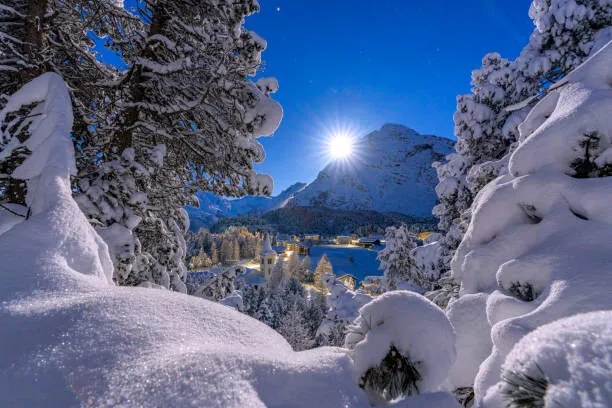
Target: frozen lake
(359, 262)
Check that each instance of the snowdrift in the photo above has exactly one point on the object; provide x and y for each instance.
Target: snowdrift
(72, 338)
(538, 244)
(573, 356)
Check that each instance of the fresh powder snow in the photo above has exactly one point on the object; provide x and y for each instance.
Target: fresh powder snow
(538, 240)
(72, 338)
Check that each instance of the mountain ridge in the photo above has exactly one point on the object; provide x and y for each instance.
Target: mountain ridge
(213, 207)
(390, 165)
(390, 172)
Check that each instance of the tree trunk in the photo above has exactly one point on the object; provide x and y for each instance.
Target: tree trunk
(34, 37)
(123, 139)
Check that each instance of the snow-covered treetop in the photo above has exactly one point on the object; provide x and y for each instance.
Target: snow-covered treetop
(56, 231)
(551, 133)
(410, 323)
(43, 129)
(571, 355)
(567, 31)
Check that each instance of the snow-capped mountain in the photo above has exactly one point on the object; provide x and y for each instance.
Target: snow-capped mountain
(213, 207)
(391, 171)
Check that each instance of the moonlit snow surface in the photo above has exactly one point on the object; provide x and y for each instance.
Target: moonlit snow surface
(573, 354)
(72, 338)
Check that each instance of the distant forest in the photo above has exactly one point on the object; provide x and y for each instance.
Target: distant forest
(325, 221)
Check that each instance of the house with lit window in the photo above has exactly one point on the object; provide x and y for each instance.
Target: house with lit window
(344, 240)
(312, 238)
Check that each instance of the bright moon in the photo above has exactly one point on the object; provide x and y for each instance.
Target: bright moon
(340, 146)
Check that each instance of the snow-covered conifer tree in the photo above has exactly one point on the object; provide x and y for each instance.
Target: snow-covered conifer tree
(214, 254)
(566, 33)
(521, 245)
(486, 121)
(235, 250)
(294, 329)
(186, 96)
(316, 311)
(322, 271)
(51, 36)
(226, 251)
(277, 276)
(265, 313)
(303, 270)
(396, 260)
(292, 265)
(485, 132)
(342, 308)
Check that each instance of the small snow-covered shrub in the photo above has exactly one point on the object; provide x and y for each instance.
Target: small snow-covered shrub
(401, 344)
(566, 363)
(523, 291)
(524, 390)
(395, 377)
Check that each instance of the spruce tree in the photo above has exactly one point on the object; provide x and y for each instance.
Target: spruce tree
(277, 275)
(396, 259)
(292, 265)
(235, 250)
(214, 254)
(188, 117)
(324, 268)
(294, 329)
(487, 119)
(303, 271)
(38, 36)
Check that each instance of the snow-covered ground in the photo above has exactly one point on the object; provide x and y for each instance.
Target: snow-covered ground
(72, 338)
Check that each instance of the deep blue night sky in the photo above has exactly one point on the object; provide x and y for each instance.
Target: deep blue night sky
(361, 63)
